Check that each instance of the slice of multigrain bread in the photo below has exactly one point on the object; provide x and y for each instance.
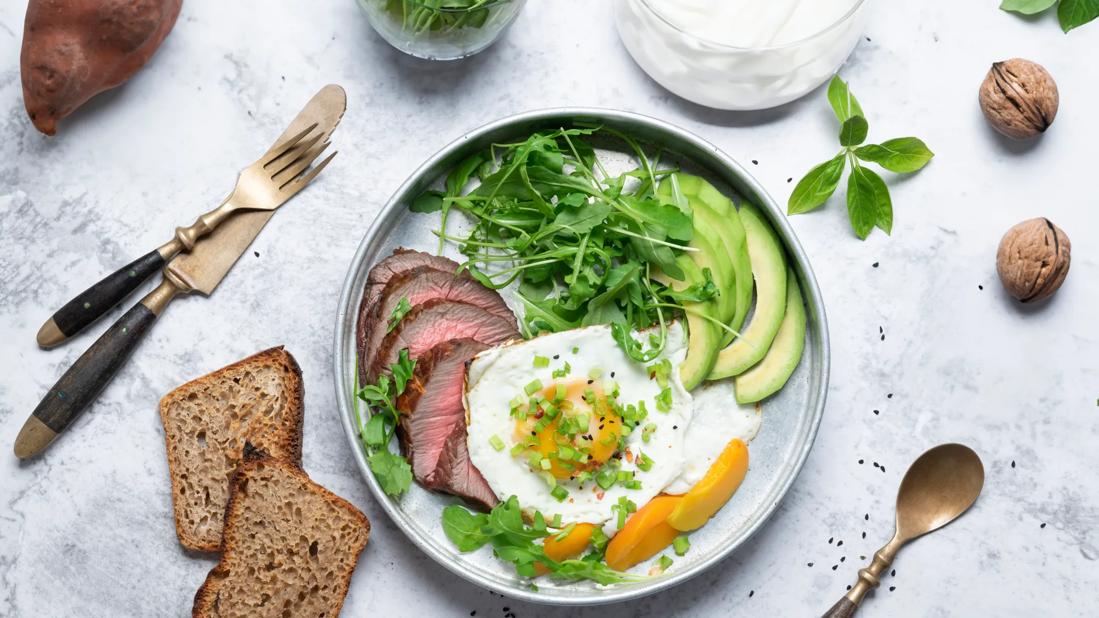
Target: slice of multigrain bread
(206, 423)
(289, 549)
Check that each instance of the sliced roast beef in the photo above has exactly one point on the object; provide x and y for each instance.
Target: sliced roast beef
(418, 286)
(401, 261)
(433, 423)
(434, 322)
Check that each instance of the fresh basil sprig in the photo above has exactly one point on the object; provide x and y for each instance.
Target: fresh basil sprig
(868, 201)
(1071, 13)
(391, 470)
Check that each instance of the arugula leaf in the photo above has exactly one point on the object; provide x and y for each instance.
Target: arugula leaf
(854, 130)
(1027, 7)
(844, 103)
(520, 544)
(428, 201)
(903, 154)
(868, 202)
(818, 185)
(457, 179)
(1075, 13)
(392, 471)
(398, 314)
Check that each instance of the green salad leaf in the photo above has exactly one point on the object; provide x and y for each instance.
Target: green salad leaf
(582, 244)
(391, 470)
(868, 202)
(515, 541)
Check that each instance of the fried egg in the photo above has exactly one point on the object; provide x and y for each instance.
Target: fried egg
(569, 424)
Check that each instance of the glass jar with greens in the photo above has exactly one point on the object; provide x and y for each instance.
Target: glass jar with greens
(441, 29)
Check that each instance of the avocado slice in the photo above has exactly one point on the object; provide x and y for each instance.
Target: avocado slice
(709, 255)
(770, 374)
(703, 334)
(769, 272)
(713, 210)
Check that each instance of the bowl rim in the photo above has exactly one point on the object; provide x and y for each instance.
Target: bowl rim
(850, 14)
(390, 211)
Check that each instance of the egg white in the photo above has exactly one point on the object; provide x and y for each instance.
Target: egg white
(498, 375)
(717, 420)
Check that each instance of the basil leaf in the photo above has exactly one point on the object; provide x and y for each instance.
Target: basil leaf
(1076, 13)
(392, 472)
(817, 186)
(868, 202)
(1027, 7)
(902, 155)
(843, 102)
(854, 130)
(428, 201)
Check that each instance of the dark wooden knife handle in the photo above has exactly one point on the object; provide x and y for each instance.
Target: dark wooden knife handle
(97, 300)
(94, 369)
(844, 608)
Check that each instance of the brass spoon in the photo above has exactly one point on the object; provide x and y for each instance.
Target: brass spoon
(941, 485)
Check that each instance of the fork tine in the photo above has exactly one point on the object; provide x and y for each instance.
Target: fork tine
(300, 182)
(299, 165)
(295, 155)
(278, 150)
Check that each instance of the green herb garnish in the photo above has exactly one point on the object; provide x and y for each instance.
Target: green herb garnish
(391, 470)
(868, 201)
(437, 16)
(664, 563)
(580, 243)
(1071, 13)
(681, 544)
(516, 542)
(398, 314)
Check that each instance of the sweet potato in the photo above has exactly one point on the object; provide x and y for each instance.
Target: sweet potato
(75, 49)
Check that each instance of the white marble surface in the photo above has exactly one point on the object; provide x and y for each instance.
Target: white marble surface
(87, 529)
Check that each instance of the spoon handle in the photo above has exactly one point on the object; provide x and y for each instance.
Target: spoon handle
(869, 578)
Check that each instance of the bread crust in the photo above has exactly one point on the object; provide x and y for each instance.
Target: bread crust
(289, 439)
(206, 596)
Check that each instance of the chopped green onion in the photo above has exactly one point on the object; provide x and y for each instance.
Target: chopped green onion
(541, 361)
(606, 478)
(545, 464)
(517, 450)
(599, 540)
(664, 563)
(550, 480)
(563, 371)
(496, 443)
(664, 400)
(565, 453)
(559, 392)
(535, 460)
(556, 523)
(533, 387)
(681, 544)
(559, 493)
(565, 532)
(624, 475)
(644, 463)
(632, 484)
(595, 373)
(647, 431)
(575, 349)
(621, 520)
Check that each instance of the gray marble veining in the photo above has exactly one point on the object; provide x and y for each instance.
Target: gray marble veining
(87, 530)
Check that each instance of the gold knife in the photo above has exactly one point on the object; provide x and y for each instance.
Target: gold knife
(200, 271)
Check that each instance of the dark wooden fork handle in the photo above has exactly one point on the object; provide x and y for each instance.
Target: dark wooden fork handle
(94, 302)
(844, 608)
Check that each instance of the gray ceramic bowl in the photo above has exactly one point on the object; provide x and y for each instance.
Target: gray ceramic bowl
(790, 418)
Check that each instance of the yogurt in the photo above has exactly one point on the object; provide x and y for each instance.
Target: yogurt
(740, 54)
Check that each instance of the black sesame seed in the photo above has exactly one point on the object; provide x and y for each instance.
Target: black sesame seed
(474, 612)
(893, 573)
(848, 586)
(866, 517)
(862, 557)
(256, 253)
(892, 588)
(754, 162)
(883, 337)
(1043, 525)
(842, 558)
(835, 566)
(860, 462)
(875, 464)
(877, 412)
(830, 539)
(875, 265)
(840, 544)
(591, 381)
(751, 593)
(612, 374)
(675, 426)
(889, 396)
(1012, 463)
(980, 287)
(810, 565)
(556, 356)
(789, 180)
(864, 534)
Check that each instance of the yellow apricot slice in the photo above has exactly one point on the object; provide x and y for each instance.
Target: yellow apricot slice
(628, 546)
(711, 493)
(570, 546)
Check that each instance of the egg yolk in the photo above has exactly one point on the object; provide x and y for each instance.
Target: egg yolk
(565, 441)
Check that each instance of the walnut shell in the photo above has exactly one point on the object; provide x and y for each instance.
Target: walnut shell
(1033, 259)
(1019, 98)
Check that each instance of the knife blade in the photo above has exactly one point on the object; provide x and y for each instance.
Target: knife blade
(200, 271)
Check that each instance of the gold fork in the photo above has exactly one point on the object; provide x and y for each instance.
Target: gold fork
(265, 185)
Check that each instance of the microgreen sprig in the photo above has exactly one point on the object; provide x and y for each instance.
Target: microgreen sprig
(868, 202)
(391, 470)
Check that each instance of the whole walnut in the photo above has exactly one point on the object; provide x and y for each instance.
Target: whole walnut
(1033, 259)
(1019, 98)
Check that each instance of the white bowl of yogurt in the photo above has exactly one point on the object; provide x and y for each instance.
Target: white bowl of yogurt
(740, 54)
